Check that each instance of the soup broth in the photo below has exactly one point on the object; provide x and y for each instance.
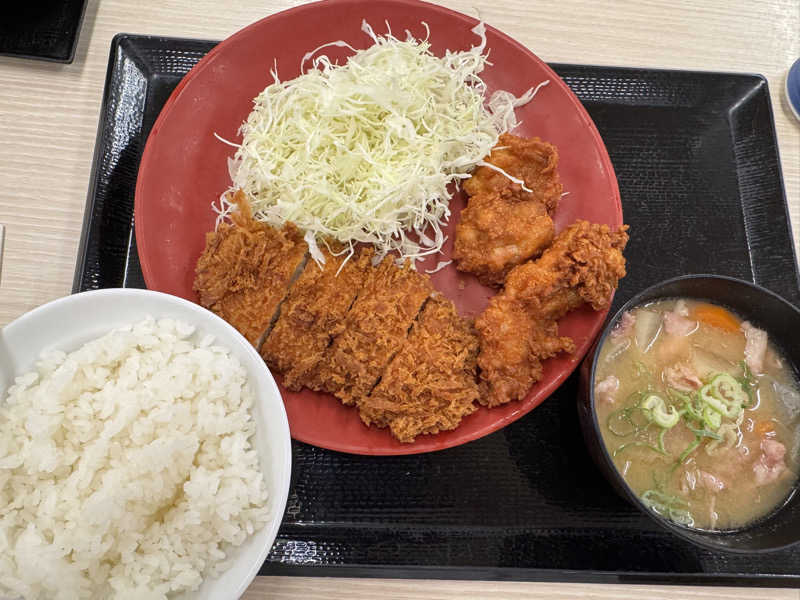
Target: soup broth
(700, 413)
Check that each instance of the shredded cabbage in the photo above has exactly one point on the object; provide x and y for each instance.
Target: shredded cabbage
(365, 151)
(441, 265)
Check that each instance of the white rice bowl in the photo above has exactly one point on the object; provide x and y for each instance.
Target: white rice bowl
(154, 459)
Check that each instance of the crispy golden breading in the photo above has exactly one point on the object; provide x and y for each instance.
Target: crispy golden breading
(530, 159)
(430, 384)
(312, 313)
(504, 225)
(245, 270)
(518, 329)
(373, 331)
(584, 264)
(513, 346)
(498, 231)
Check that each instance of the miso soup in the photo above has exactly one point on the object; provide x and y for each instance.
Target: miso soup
(700, 413)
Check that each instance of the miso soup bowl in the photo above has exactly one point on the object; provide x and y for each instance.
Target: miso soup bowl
(766, 310)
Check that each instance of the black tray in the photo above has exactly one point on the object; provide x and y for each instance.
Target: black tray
(41, 29)
(697, 163)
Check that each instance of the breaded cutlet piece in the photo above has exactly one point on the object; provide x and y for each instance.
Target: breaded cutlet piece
(530, 159)
(246, 268)
(373, 331)
(312, 313)
(518, 329)
(430, 385)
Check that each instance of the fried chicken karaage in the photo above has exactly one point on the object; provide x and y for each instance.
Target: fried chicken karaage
(430, 385)
(498, 231)
(530, 159)
(312, 313)
(246, 269)
(504, 225)
(373, 331)
(518, 329)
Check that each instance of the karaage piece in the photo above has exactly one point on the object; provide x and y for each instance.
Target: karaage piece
(373, 331)
(513, 344)
(530, 159)
(246, 269)
(504, 225)
(584, 264)
(498, 231)
(430, 385)
(314, 310)
(518, 329)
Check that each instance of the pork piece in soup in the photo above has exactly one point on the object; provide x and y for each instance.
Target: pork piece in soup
(700, 412)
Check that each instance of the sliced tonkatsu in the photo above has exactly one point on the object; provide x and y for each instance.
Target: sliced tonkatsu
(246, 269)
(312, 314)
(431, 384)
(374, 330)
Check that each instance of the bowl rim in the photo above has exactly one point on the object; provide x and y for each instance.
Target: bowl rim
(277, 498)
(619, 481)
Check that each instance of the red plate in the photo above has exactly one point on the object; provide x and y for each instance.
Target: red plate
(184, 168)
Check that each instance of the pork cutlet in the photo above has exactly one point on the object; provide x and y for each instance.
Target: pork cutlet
(312, 314)
(504, 225)
(430, 385)
(518, 329)
(374, 329)
(246, 268)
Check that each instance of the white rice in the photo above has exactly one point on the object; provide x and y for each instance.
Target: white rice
(126, 468)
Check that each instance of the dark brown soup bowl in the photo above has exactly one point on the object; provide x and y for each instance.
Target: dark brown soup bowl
(764, 309)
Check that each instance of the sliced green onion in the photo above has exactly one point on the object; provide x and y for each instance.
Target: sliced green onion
(729, 388)
(747, 374)
(725, 395)
(749, 384)
(683, 517)
(622, 422)
(689, 449)
(729, 433)
(672, 507)
(661, 441)
(638, 444)
(677, 395)
(703, 433)
(711, 418)
(659, 497)
(694, 408)
(656, 410)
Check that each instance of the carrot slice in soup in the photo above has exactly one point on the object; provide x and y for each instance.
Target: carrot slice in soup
(762, 428)
(716, 316)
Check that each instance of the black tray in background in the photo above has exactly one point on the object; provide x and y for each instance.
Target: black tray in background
(697, 162)
(41, 29)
